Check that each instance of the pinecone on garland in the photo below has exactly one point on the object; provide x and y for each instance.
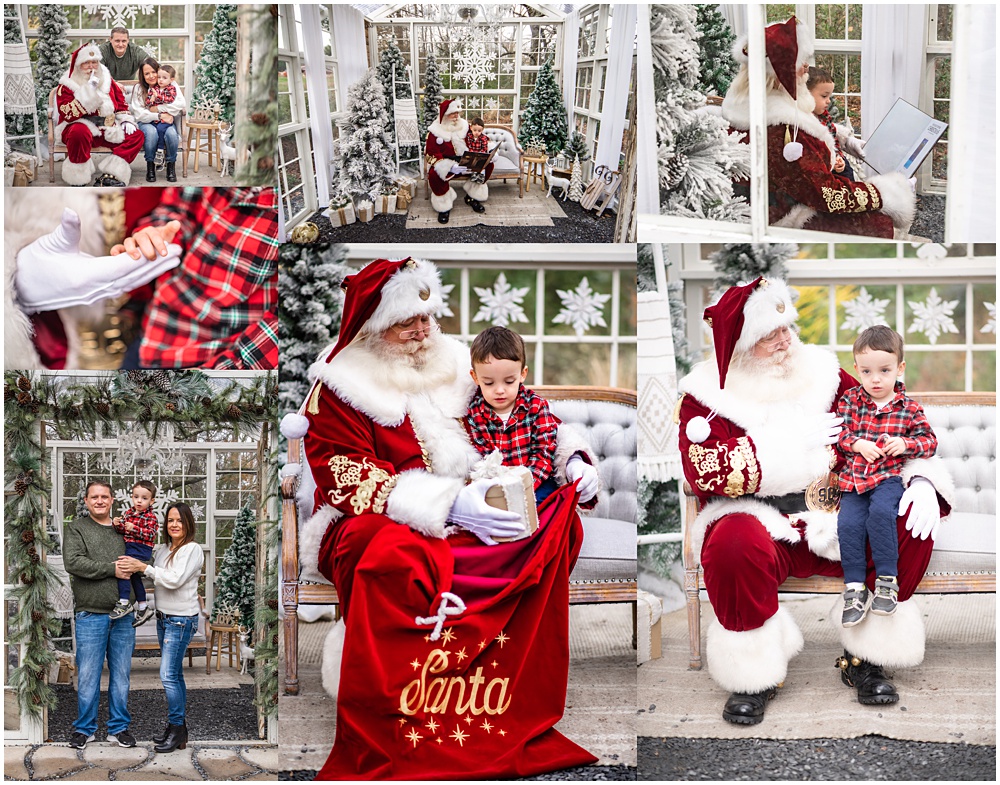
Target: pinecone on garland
(206, 401)
(171, 407)
(37, 616)
(272, 604)
(22, 483)
(27, 536)
(234, 412)
(27, 579)
(9, 393)
(33, 556)
(102, 408)
(24, 399)
(677, 168)
(24, 383)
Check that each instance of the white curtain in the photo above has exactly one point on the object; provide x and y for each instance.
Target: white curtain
(892, 59)
(348, 25)
(736, 15)
(616, 92)
(972, 148)
(647, 194)
(319, 99)
(570, 37)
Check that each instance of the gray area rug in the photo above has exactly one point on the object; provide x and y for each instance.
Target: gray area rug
(503, 208)
(951, 697)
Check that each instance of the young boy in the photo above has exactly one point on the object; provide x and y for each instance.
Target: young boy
(820, 85)
(139, 525)
(476, 141)
(506, 415)
(165, 92)
(882, 427)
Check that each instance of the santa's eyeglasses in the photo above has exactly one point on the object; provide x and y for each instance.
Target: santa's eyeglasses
(775, 337)
(427, 326)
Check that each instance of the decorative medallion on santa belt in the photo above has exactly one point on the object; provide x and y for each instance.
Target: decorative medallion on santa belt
(824, 494)
(109, 121)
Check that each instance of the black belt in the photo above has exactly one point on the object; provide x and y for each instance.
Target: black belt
(789, 504)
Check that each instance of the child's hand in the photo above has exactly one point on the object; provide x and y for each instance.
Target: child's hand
(150, 242)
(129, 526)
(838, 165)
(117, 521)
(893, 445)
(868, 450)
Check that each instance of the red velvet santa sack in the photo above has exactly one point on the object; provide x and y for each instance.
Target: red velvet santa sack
(480, 700)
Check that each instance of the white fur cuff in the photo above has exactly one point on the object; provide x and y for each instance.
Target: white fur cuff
(115, 134)
(753, 660)
(898, 201)
(478, 191)
(895, 641)
(444, 202)
(821, 534)
(422, 501)
(443, 168)
(77, 174)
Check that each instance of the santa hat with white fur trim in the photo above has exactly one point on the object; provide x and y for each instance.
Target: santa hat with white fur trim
(449, 106)
(87, 53)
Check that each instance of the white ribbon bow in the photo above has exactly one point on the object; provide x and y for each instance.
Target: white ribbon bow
(444, 610)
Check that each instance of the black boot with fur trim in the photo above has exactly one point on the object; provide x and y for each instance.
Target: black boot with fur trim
(874, 687)
(748, 708)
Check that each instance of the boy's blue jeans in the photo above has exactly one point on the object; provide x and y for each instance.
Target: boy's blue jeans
(174, 634)
(869, 516)
(98, 637)
(142, 552)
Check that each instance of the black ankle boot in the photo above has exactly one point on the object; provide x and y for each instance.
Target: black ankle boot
(177, 736)
(162, 737)
(873, 685)
(443, 217)
(748, 708)
(171, 171)
(150, 172)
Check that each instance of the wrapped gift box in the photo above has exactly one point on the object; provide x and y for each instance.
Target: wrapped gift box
(366, 211)
(515, 491)
(385, 203)
(341, 216)
(403, 199)
(409, 185)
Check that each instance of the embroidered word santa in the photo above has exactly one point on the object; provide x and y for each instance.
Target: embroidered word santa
(444, 148)
(92, 112)
(757, 435)
(803, 190)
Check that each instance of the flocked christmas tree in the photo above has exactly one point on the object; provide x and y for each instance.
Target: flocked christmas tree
(366, 160)
(215, 72)
(740, 263)
(575, 192)
(309, 280)
(237, 580)
(433, 95)
(545, 116)
(52, 53)
(697, 157)
(577, 147)
(715, 44)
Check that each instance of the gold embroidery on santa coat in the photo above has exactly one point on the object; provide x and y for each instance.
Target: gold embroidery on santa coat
(835, 199)
(753, 471)
(876, 200)
(704, 461)
(862, 199)
(348, 473)
(734, 482)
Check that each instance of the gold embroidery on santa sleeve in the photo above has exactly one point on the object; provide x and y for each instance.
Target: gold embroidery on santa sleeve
(737, 462)
(753, 471)
(347, 473)
(835, 199)
(876, 199)
(862, 199)
(704, 461)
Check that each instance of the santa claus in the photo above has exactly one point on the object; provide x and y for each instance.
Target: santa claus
(92, 112)
(757, 431)
(803, 190)
(445, 145)
(441, 619)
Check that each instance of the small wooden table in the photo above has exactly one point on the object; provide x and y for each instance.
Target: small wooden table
(221, 636)
(533, 168)
(194, 129)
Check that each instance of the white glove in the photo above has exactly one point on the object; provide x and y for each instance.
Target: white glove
(854, 146)
(925, 514)
(579, 469)
(129, 128)
(456, 169)
(471, 512)
(825, 430)
(53, 273)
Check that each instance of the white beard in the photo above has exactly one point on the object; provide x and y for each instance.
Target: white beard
(453, 131)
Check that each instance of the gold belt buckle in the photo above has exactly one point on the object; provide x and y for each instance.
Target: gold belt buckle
(824, 494)
(109, 121)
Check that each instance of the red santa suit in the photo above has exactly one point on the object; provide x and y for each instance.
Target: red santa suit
(768, 511)
(805, 192)
(94, 115)
(444, 148)
(454, 655)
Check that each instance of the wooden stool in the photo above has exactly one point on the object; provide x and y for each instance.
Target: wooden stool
(533, 168)
(194, 144)
(228, 638)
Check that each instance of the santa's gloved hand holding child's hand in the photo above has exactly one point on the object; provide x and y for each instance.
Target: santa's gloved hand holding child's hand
(150, 241)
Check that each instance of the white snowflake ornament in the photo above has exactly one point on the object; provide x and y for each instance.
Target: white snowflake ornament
(933, 316)
(991, 323)
(864, 311)
(501, 305)
(582, 307)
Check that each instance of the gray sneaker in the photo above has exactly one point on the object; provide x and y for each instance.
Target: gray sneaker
(120, 610)
(886, 595)
(142, 616)
(856, 602)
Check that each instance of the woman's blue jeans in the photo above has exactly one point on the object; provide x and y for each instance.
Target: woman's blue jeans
(170, 141)
(174, 634)
(98, 637)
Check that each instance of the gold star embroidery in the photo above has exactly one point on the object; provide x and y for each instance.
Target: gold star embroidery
(501, 639)
(414, 736)
(468, 720)
(461, 654)
(432, 726)
(494, 663)
(439, 740)
(486, 726)
(427, 638)
(482, 645)
(415, 663)
(502, 733)
(448, 636)
(402, 720)
(459, 736)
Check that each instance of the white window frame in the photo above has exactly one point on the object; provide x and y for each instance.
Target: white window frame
(290, 51)
(597, 60)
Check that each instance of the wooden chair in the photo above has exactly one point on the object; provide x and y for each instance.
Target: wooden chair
(955, 571)
(606, 568)
(203, 119)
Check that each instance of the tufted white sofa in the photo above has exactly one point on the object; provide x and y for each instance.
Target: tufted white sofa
(506, 163)
(964, 556)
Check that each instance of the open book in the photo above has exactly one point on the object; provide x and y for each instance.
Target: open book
(903, 139)
(476, 162)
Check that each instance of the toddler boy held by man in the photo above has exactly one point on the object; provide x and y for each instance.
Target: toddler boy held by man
(139, 527)
(882, 428)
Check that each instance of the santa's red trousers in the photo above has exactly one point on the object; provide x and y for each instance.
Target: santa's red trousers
(479, 702)
(439, 186)
(744, 566)
(80, 140)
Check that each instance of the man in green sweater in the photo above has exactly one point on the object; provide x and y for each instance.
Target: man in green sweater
(91, 547)
(122, 57)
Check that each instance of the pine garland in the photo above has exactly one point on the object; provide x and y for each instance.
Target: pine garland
(545, 116)
(183, 398)
(266, 611)
(257, 122)
(215, 73)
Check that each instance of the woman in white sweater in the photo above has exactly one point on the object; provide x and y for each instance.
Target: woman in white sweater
(146, 117)
(175, 571)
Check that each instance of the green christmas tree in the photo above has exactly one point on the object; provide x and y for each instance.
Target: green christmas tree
(310, 307)
(577, 146)
(433, 95)
(237, 579)
(545, 116)
(741, 263)
(52, 53)
(716, 44)
(215, 73)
